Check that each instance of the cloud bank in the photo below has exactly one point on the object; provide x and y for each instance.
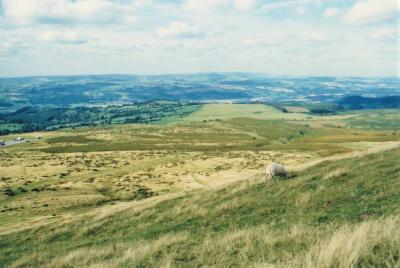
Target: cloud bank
(290, 37)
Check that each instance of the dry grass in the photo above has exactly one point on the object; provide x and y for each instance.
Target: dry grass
(122, 255)
(335, 173)
(373, 148)
(302, 199)
(374, 243)
(59, 184)
(369, 244)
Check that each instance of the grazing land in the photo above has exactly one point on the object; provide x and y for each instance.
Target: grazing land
(228, 111)
(189, 190)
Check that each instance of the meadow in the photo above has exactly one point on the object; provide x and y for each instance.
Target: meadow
(190, 191)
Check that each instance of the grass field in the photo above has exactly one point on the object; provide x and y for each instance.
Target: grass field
(187, 193)
(228, 111)
(376, 119)
(362, 119)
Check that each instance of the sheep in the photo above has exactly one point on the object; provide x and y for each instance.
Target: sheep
(275, 169)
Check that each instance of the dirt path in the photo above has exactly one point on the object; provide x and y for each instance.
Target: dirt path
(196, 180)
(11, 143)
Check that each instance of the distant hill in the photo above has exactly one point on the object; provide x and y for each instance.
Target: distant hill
(89, 90)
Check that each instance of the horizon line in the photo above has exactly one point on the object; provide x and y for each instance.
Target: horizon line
(197, 73)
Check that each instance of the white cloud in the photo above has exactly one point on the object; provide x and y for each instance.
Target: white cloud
(178, 29)
(300, 11)
(243, 5)
(62, 37)
(385, 34)
(284, 4)
(367, 11)
(28, 12)
(331, 12)
(259, 42)
(229, 35)
(204, 6)
(208, 6)
(5, 47)
(314, 36)
(277, 5)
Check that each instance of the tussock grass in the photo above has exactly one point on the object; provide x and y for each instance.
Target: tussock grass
(373, 243)
(335, 173)
(369, 244)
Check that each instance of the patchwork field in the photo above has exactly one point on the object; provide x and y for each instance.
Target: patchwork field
(191, 192)
(386, 119)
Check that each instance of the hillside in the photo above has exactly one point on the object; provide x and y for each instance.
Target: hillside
(336, 214)
(188, 190)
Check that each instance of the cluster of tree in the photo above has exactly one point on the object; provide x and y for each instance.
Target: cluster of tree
(360, 102)
(30, 119)
(346, 103)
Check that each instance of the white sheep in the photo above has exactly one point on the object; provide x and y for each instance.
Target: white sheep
(275, 169)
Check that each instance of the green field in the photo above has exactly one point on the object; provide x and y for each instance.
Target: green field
(361, 119)
(375, 119)
(190, 191)
(228, 111)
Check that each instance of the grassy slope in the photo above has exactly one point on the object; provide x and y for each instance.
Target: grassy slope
(375, 119)
(229, 134)
(313, 219)
(228, 111)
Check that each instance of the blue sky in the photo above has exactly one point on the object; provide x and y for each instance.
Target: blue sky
(288, 37)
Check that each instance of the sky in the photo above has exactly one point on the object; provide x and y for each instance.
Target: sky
(287, 37)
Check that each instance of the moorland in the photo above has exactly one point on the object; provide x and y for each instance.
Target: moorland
(182, 183)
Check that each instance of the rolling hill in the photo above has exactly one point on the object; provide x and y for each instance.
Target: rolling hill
(99, 90)
(188, 190)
